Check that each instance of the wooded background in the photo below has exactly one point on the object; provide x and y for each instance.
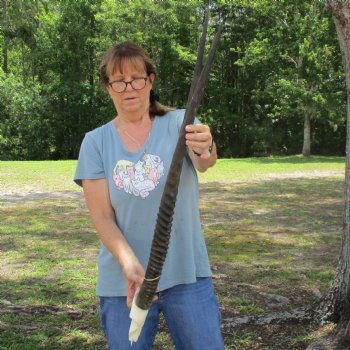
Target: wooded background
(277, 85)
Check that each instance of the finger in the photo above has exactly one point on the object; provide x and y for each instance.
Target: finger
(199, 135)
(129, 301)
(135, 278)
(200, 147)
(197, 128)
(138, 280)
(156, 295)
(203, 136)
(205, 155)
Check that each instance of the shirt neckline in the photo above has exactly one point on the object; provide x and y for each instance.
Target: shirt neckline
(143, 147)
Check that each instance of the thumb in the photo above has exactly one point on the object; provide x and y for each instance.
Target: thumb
(139, 279)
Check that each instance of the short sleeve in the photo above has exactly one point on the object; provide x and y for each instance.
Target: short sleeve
(90, 164)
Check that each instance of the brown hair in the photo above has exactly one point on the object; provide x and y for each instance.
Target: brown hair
(115, 58)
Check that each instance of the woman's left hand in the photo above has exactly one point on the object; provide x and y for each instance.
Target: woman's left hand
(199, 139)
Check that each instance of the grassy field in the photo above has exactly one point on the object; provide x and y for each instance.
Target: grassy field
(272, 226)
(49, 176)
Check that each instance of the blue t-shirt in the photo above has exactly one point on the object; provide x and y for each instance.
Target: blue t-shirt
(136, 181)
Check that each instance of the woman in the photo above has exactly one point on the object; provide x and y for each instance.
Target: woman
(123, 167)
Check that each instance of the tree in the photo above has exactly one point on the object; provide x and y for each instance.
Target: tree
(68, 69)
(4, 8)
(24, 122)
(336, 305)
(295, 52)
(277, 62)
(23, 108)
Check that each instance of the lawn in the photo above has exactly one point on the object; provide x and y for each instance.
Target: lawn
(272, 226)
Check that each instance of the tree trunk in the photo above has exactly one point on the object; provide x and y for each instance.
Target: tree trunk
(307, 135)
(336, 304)
(6, 40)
(341, 15)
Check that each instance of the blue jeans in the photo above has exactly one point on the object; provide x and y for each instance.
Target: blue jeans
(191, 312)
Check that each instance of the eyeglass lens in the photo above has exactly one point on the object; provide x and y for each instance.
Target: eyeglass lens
(136, 84)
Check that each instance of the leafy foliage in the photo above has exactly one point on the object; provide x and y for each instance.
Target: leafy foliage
(278, 63)
(24, 123)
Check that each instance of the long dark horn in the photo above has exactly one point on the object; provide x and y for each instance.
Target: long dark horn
(200, 55)
(162, 231)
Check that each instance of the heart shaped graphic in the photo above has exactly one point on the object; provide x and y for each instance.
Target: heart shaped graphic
(138, 178)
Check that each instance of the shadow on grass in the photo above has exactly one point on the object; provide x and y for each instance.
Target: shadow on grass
(282, 204)
(48, 253)
(74, 325)
(282, 232)
(280, 236)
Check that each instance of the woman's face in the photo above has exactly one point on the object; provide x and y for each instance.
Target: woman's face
(130, 101)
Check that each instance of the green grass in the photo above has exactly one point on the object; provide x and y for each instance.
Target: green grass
(37, 176)
(49, 176)
(254, 168)
(272, 225)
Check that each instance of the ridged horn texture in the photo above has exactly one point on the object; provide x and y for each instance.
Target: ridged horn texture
(162, 230)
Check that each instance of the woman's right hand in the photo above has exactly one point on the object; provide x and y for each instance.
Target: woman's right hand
(134, 276)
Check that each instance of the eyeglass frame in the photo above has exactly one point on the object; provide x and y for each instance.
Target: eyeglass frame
(126, 84)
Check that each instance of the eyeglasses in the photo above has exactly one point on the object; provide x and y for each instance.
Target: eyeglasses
(120, 85)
